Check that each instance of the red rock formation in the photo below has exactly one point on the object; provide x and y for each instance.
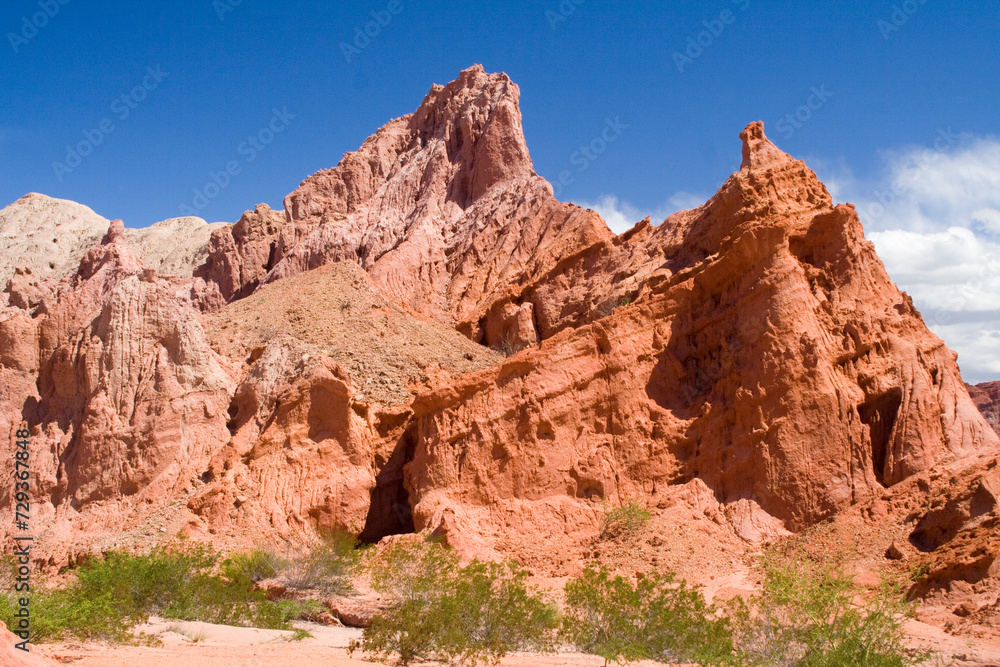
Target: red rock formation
(128, 401)
(748, 359)
(240, 256)
(986, 396)
(443, 209)
(769, 356)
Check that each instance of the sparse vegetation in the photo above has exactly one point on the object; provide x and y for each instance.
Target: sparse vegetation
(257, 565)
(110, 595)
(328, 566)
(195, 636)
(445, 612)
(624, 521)
(656, 618)
(610, 305)
(506, 346)
(808, 615)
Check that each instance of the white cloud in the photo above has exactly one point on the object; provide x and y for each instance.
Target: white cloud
(954, 279)
(988, 219)
(929, 190)
(934, 217)
(978, 347)
(622, 216)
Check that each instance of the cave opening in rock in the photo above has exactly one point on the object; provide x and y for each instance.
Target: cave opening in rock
(390, 512)
(879, 413)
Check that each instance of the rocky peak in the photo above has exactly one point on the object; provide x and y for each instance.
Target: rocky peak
(442, 208)
(478, 118)
(758, 151)
(468, 131)
(113, 256)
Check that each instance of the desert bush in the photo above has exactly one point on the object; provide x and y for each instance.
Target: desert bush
(257, 565)
(812, 615)
(506, 346)
(624, 521)
(656, 618)
(445, 612)
(329, 565)
(112, 594)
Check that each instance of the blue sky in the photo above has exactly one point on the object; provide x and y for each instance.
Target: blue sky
(885, 78)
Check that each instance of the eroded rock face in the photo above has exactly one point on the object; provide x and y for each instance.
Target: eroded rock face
(128, 398)
(328, 367)
(769, 356)
(240, 256)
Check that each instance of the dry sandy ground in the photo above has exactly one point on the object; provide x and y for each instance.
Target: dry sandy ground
(226, 646)
(955, 651)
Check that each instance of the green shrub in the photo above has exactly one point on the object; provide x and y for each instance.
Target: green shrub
(806, 615)
(443, 611)
(657, 618)
(257, 565)
(624, 521)
(328, 566)
(111, 595)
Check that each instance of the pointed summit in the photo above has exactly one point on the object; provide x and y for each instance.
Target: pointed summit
(758, 151)
(478, 117)
(442, 208)
(468, 132)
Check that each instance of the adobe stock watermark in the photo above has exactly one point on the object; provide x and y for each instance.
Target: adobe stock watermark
(797, 119)
(363, 35)
(899, 17)
(583, 157)
(699, 42)
(566, 9)
(121, 108)
(223, 7)
(911, 172)
(248, 150)
(31, 24)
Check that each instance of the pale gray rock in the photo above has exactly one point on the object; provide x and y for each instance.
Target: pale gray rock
(49, 236)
